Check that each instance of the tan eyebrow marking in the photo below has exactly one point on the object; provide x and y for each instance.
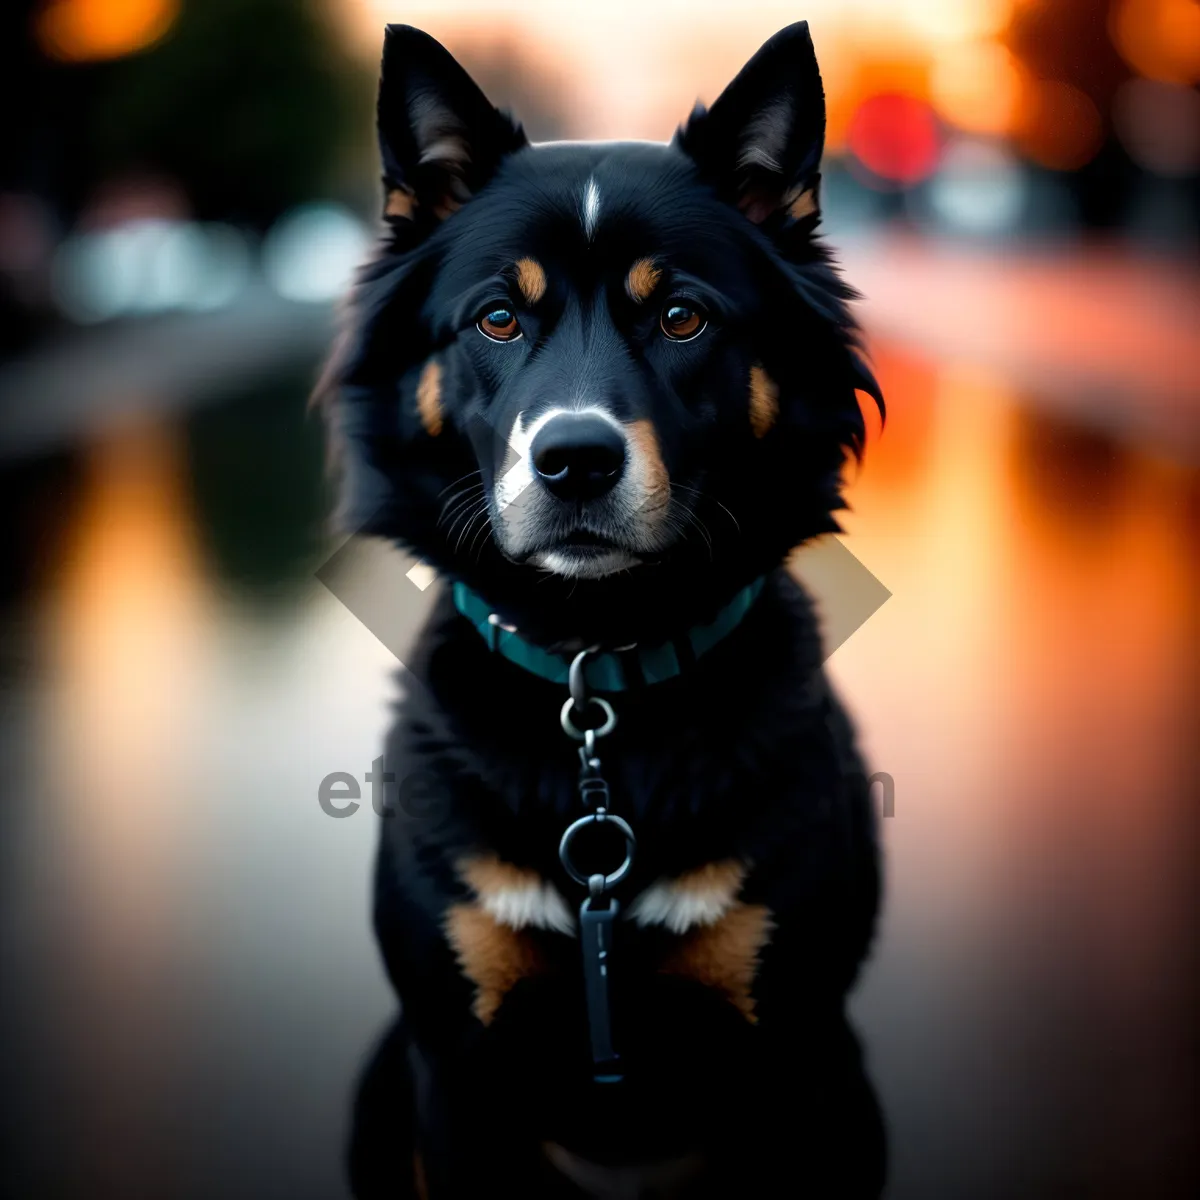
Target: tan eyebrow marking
(429, 397)
(400, 203)
(642, 279)
(531, 279)
(764, 401)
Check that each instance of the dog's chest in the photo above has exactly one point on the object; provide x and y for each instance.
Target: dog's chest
(694, 926)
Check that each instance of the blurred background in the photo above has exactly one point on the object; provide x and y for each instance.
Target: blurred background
(185, 186)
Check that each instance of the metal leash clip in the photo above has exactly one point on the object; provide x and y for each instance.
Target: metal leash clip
(599, 910)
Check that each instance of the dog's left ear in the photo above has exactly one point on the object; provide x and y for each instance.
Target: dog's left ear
(760, 144)
(440, 137)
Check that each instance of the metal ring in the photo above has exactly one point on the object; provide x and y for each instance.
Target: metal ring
(564, 848)
(570, 728)
(577, 680)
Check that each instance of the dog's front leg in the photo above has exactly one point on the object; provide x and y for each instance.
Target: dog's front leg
(463, 934)
(383, 1162)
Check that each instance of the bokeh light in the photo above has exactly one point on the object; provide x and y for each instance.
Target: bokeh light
(955, 20)
(1058, 126)
(149, 265)
(895, 136)
(82, 30)
(1159, 126)
(310, 255)
(980, 189)
(977, 86)
(1159, 38)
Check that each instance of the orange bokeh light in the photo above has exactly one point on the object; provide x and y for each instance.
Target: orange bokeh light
(977, 86)
(1058, 126)
(1159, 38)
(857, 76)
(87, 30)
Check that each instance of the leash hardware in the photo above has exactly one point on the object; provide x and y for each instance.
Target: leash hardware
(598, 912)
(593, 787)
(609, 881)
(580, 735)
(596, 917)
(580, 700)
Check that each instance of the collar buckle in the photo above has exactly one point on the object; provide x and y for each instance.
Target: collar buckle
(494, 626)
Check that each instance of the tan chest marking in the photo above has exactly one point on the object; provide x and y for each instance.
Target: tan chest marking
(490, 933)
(515, 896)
(492, 956)
(699, 897)
(725, 956)
(720, 938)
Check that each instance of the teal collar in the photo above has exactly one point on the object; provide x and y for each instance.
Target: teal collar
(615, 670)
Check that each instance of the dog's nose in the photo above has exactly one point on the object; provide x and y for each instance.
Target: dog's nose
(578, 456)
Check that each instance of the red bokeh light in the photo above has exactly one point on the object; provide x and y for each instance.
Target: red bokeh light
(895, 137)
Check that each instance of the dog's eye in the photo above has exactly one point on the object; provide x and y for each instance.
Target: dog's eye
(681, 322)
(500, 325)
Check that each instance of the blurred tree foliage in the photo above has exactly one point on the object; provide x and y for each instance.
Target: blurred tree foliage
(250, 105)
(258, 482)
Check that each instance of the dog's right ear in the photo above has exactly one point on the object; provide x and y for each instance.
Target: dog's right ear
(439, 136)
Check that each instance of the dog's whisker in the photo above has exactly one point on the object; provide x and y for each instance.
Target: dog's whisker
(461, 514)
(462, 494)
(712, 500)
(485, 528)
(460, 500)
(469, 522)
(459, 480)
(700, 527)
(462, 524)
(461, 491)
(464, 491)
(480, 513)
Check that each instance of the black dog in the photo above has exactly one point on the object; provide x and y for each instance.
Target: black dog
(606, 389)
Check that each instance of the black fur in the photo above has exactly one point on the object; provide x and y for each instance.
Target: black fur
(747, 755)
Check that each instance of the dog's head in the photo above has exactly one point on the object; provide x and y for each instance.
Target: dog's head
(604, 384)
